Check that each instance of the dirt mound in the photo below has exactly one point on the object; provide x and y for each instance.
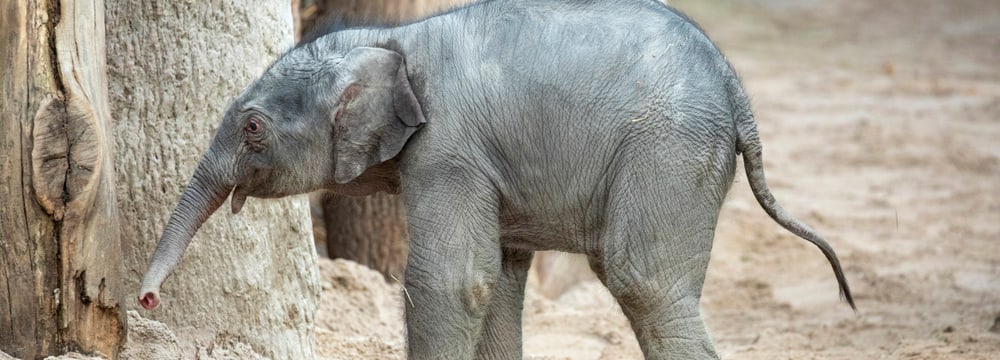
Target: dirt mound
(152, 340)
(149, 339)
(360, 315)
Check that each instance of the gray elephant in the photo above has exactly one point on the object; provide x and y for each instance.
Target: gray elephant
(509, 126)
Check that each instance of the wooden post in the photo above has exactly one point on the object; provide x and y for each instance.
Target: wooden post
(60, 265)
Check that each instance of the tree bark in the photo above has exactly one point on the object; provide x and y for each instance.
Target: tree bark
(316, 14)
(369, 230)
(173, 69)
(60, 269)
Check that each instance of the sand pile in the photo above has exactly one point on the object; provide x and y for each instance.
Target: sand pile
(360, 315)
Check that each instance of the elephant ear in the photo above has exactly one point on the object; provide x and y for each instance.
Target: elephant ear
(377, 111)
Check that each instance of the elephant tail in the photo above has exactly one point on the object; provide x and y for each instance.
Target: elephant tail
(749, 145)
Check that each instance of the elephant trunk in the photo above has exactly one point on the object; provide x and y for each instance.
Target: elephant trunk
(209, 186)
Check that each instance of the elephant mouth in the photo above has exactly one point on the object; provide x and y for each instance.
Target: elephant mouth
(256, 183)
(242, 192)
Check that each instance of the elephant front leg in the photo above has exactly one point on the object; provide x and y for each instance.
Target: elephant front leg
(453, 268)
(501, 338)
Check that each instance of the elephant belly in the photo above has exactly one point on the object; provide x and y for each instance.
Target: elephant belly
(548, 229)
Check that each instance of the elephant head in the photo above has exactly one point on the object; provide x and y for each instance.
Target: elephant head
(314, 120)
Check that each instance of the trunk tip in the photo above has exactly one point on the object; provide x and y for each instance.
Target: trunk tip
(149, 300)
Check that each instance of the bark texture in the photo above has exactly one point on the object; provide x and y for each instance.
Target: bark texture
(317, 13)
(249, 278)
(369, 230)
(60, 269)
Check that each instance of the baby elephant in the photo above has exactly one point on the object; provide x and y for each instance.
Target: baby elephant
(605, 127)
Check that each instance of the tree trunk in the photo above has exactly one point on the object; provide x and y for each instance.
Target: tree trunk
(61, 261)
(318, 13)
(369, 230)
(173, 69)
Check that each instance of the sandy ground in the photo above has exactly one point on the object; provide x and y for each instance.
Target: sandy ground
(881, 128)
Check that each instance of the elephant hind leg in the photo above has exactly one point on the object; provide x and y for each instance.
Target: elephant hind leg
(662, 305)
(654, 257)
(664, 314)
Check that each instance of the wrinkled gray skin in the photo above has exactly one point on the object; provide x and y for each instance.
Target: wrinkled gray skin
(608, 128)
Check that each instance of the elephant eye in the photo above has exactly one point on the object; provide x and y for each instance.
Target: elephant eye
(254, 125)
